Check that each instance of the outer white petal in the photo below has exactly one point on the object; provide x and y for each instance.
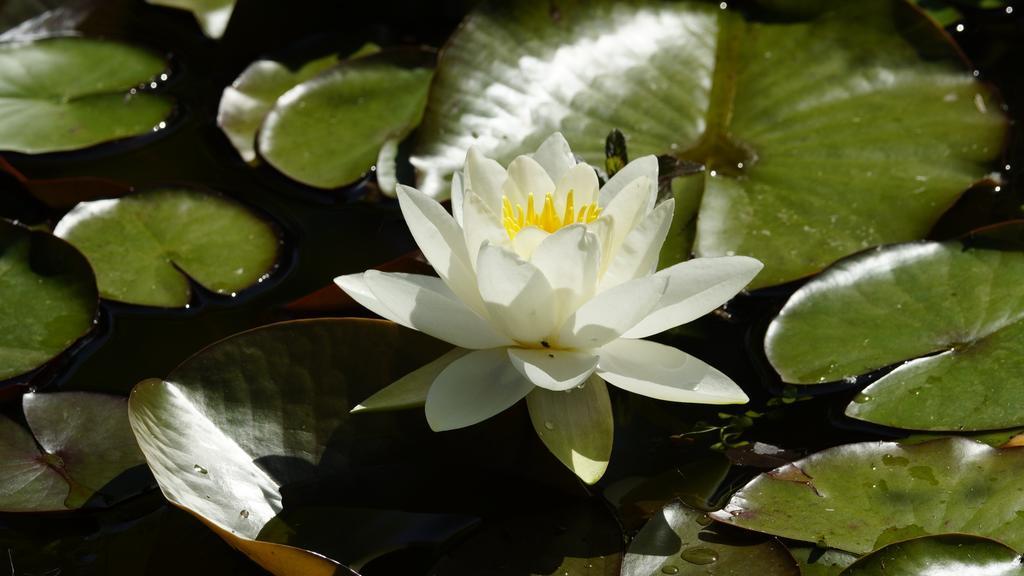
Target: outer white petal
(696, 287)
(424, 303)
(645, 166)
(569, 259)
(555, 156)
(576, 426)
(553, 369)
(639, 252)
(582, 181)
(527, 240)
(484, 177)
(441, 241)
(355, 286)
(474, 388)
(457, 197)
(610, 313)
(516, 294)
(665, 373)
(409, 390)
(481, 225)
(530, 178)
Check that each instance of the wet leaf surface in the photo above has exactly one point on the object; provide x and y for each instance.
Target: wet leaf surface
(233, 436)
(859, 497)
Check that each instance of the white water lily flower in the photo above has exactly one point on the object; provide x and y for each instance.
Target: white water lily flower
(547, 287)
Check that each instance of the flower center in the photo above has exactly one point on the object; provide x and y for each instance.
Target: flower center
(515, 218)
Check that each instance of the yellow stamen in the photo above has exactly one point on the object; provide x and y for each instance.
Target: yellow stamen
(514, 218)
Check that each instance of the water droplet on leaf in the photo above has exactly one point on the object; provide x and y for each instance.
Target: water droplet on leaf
(699, 555)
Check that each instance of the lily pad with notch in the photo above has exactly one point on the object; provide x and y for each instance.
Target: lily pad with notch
(145, 247)
(67, 93)
(810, 130)
(213, 15)
(950, 312)
(48, 298)
(78, 451)
(253, 435)
(860, 497)
(329, 130)
(245, 104)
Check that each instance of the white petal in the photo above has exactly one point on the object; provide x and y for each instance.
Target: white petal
(569, 259)
(457, 197)
(527, 240)
(576, 426)
(582, 180)
(530, 178)
(553, 369)
(639, 252)
(441, 241)
(355, 286)
(484, 177)
(516, 294)
(627, 210)
(474, 388)
(555, 156)
(696, 287)
(481, 225)
(612, 312)
(410, 390)
(424, 303)
(665, 373)
(645, 166)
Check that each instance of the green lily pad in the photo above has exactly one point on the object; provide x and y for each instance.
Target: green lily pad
(146, 246)
(860, 497)
(953, 310)
(213, 15)
(245, 104)
(327, 132)
(76, 445)
(48, 298)
(943, 554)
(810, 131)
(80, 92)
(683, 541)
(252, 424)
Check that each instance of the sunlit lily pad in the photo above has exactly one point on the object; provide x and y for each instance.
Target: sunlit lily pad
(328, 131)
(681, 540)
(253, 424)
(76, 445)
(944, 554)
(860, 497)
(811, 132)
(48, 298)
(953, 310)
(213, 15)
(69, 93)
(145, 247)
